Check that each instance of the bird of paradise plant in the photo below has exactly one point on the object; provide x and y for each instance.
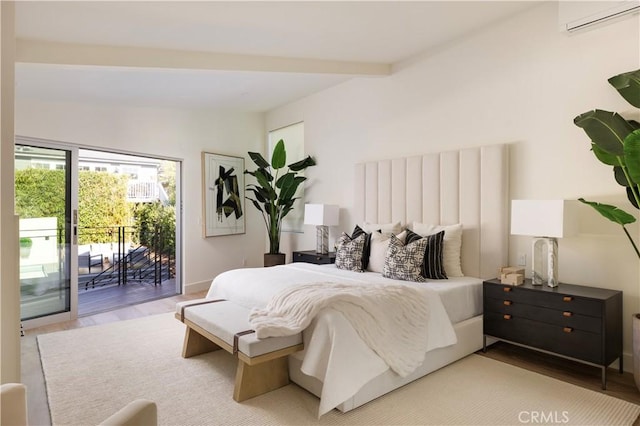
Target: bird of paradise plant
(615, 141)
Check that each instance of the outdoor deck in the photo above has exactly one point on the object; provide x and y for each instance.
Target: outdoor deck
(102, 299)
(139, 275)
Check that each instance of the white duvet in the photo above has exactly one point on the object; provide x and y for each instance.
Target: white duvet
(334, 352)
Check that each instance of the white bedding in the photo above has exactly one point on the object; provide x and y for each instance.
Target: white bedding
(334, 353)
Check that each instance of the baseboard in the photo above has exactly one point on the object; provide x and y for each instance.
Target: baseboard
(197, 287)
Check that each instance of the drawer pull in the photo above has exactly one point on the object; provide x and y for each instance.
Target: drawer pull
(507, 302)
(567, 313)
(506, 289)
(506, 316)
(567, 299)
(567, 329)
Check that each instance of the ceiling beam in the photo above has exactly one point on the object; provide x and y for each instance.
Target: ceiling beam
(41, 52)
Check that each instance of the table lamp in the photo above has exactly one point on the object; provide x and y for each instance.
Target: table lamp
(323, 216)
(546, 221)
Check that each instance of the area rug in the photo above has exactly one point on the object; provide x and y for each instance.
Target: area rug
(92, 372)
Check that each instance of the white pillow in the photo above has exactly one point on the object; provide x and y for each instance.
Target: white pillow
(378, 249)
(394, 228)
(452, 245)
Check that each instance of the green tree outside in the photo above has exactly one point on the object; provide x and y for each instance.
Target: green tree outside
(102, 205)
(102, 200)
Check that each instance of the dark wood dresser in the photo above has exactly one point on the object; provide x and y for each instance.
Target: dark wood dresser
(572, 321)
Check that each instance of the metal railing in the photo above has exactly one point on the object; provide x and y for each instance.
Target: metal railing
(131, 262)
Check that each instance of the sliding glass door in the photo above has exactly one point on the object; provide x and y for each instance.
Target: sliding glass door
(45, 203)
(98, 230)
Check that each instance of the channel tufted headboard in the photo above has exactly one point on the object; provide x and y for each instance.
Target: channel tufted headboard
(469, 186)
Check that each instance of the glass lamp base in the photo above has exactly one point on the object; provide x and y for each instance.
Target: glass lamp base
(322, 239)
(545, 268)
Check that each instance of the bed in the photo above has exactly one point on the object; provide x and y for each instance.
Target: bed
(467, 187)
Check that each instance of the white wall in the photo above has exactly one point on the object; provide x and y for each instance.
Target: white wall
(521, 82)
(179, 134)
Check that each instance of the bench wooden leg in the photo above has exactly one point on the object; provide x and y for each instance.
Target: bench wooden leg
(254, 380)
(196, 344)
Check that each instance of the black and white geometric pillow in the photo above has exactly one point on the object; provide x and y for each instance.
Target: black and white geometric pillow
(404, 262)
(432, 265)
(349, 252)
(366, 251)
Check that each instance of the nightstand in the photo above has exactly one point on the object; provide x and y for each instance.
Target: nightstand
(575, 322)
(310, 256)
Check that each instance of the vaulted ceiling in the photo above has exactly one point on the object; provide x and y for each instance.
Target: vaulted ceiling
(249, 56)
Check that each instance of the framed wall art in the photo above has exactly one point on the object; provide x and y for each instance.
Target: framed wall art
(223, 194)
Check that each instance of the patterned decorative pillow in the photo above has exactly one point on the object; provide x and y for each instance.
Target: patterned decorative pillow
(349, 252)
(432, 266)
(404, 262)
(452, 245)
(357, 231)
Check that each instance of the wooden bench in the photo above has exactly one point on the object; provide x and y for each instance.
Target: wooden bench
(221, 324)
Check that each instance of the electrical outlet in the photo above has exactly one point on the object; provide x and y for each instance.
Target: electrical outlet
(522, 259)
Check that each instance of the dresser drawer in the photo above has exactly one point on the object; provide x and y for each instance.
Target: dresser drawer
(538, 313)
(312, 257)
(554, 338)
(548, 299)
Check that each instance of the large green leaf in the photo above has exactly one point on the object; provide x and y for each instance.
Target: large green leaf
(259, 160)
(265, 172)
(613, 213)
(302, 164)
(264, 183)
(632, 155)
(289, 188)
(619, 176)
(284, 177)
(261, 194)
(279, 156)
(632, 192)
(606, 129)
(628, 85)
(604, 157)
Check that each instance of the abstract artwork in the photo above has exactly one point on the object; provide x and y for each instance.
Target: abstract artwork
(223, 187)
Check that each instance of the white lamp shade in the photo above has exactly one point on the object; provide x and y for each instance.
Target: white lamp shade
(321, 214)
(543, 218)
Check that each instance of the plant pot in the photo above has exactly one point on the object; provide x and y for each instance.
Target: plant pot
(273, 259)
(25, 252)
(636, 349)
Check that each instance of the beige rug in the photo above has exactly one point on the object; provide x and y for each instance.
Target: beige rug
(92, 372)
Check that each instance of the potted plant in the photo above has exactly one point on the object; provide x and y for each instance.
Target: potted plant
(615, 141)
(274, 194)
(25, 247)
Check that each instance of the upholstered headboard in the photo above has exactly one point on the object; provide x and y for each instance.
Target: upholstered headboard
(469, 186)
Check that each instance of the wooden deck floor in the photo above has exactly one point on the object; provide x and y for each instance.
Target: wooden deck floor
(98, 300)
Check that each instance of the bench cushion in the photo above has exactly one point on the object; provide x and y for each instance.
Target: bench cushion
(224, 319)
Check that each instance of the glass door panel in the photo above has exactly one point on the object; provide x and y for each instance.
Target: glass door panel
(43, 202)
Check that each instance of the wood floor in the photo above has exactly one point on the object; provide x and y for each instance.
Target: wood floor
(618, 385)
(103, 299)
